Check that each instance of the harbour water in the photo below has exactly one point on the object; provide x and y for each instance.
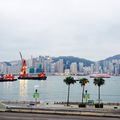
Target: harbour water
(55, 90)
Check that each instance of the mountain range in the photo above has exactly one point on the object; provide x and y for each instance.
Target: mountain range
(69, 59)
(117, 57)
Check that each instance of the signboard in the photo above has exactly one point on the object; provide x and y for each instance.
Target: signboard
(36, 94)
(86, 96)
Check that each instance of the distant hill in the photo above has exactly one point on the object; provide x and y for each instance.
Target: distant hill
(113, 57)
(69, 59)
(117, 57)
(7, 63)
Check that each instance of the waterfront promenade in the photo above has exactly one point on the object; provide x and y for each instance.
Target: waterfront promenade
(34, 116)
(60, 109)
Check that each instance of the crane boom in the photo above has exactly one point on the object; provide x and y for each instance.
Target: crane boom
(23, 72)
(21, 56)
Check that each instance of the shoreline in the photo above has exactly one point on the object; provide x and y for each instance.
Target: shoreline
(47, 102)
(59, 109)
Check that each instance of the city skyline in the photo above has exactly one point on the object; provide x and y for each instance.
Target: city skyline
(83, 28)
(63, 66)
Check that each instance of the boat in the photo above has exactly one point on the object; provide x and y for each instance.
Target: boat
(40, 76)
(100, 76)
(7, 78)
(24, 75)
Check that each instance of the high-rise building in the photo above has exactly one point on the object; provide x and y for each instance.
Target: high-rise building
(60, 66)
(46, 64)
(92, 68)
(81, 67)
(67, 71)
(73, 68)
(5, 67)
(15, 67)
(52, 68)
(97, 65)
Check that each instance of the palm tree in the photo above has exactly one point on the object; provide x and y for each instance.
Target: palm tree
(83, 82)
(99, 82)
(69, 80)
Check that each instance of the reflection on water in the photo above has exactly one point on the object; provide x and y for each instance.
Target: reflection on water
(7, 85)
(23, 88)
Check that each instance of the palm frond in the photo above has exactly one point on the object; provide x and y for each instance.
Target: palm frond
(99, 81)
(83, 81)
(69, 80)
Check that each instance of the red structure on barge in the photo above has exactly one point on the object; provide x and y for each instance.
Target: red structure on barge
(24, 75)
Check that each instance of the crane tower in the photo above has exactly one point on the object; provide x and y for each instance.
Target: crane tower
(23, 72)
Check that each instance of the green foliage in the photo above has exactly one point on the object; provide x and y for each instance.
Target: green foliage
(99, 81)
(69, 80)
(83, 81)
(98, 105)
(82, 105)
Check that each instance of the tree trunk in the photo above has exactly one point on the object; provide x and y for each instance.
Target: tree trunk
(36, 101)
(68, 95)
(83, 93)
(99, 95)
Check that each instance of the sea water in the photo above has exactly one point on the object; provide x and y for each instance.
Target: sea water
(55, 90)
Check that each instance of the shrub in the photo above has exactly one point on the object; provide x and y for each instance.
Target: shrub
(97, 105)
(82, 105)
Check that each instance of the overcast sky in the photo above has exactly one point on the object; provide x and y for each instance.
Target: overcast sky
(83, 28)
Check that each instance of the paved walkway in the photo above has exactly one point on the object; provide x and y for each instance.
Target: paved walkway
(50, 108)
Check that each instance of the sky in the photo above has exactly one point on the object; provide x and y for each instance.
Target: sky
(83, 28)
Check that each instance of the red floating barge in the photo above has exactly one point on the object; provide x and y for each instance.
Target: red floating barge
(7, 78)
(100, 76)
(40, 76)
(24, 75)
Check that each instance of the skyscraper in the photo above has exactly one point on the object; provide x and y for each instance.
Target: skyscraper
(73, 68)
(60, 66)
(81, 67)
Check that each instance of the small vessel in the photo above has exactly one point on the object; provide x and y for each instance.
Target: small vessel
(40, 76)
(100, 76)
(7, 78)
(25, 75)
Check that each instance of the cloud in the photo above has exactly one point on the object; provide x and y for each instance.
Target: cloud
(83, 28)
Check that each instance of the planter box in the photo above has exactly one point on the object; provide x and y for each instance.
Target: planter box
(99, 105)
(82, 105)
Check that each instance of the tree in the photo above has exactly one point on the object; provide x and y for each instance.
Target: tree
(99, 82)
(69, 80)
(83, 82)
